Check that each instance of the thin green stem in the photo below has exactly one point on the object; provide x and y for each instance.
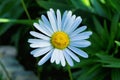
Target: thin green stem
(25, 8)
(22, 21)
(70, 73)
(26, 11)
(6, 72)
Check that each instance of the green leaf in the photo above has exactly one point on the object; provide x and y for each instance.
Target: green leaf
(113, 30)
(114, 24)
(16, 37)
(89, 73)
(98, 26)
(96, 43)
(117, 42)
(115, 74)
(82, 4)
(101, 75)
(87, 3)
(108, 61)
(118, 34)
(1, 76)
(98, 8)
(9, 9)
(85, 62)
(4, 28)
(56, 5)
(10, 22)
(115, 4)
(102, 31)
(106, 32)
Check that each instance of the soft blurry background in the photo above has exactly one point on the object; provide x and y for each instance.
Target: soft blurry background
(101, 16)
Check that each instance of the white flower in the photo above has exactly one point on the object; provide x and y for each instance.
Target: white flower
(60, 38)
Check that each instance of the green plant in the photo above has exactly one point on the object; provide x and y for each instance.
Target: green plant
(101, 16)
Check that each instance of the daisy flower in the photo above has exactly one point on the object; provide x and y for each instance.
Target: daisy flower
(60, 38)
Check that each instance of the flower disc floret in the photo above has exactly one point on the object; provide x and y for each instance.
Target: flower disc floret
(60, 40)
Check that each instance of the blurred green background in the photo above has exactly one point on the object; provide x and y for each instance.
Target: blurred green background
(102, 17)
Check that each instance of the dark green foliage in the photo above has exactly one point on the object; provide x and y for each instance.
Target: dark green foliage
(101, 16)
(10, 9)
(62, 5)
(0, 76)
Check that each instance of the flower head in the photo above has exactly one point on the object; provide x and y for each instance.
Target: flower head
(60, 38)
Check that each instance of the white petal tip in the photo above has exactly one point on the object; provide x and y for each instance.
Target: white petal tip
(40, 64)
(42, 16)
(34, 24)
(31, 53)
(58, 10)
(32, 33)
(79, 18)
(63, 65)
(78, 60)
(71, 65)
(90, 33)
(35, 55)
(28, 41)
(51, 9)
(84, 27)
(51, 61)
(86, 56)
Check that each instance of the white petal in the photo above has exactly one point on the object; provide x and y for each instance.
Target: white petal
(79, 52)
(45, 27)
(68, 17)
(39, 35)
(40, 51)
(38, 43)
(45, 58)
(68, 59)
(37, 26)
(58, 57)
(64, 17)
(78, 37)
(72, 55)
(70, 23)
(59, 20)
(53, 13)
(45, 20)
(81, 36)
(77, 31)
(57, 53)
(75, 24)
(86, 33)
(62, 59)
(36, 40)
(47, 23)
(55, 56)
(81, 43)
(52, 21)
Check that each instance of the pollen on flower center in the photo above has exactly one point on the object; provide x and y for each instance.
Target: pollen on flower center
(60, 40)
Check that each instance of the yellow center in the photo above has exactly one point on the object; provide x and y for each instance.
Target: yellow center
(60, 40)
